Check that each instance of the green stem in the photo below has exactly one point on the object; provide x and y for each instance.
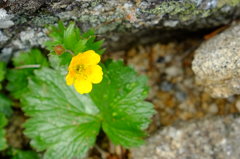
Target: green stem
(69, 51)
(28, 66)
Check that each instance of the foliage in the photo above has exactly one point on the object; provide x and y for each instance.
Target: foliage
(61, 122)
(20, 154)
(67, 123)
(5, 106)
(5, 109)
(124, 112)
(2, 72)
(72, 40)
(3, 123)
(25, 63)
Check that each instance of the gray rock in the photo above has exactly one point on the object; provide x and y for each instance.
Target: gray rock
(6, 54)
(3, 38)
(217, 63)
(123, 23)
(5, 19)
(210, 138)
(30, 37)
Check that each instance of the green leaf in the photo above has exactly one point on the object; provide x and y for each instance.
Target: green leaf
(2, 72)
(80, 46)
(91, 43)
(5, 106)
(66, 123)
(17, 78)
(61, 28)
(124, 111)
(70, 37)
(20, 154)
(64, 59)
(3, 123)
(72, 40)
(89, 33)
(62, 121)
(96, 46)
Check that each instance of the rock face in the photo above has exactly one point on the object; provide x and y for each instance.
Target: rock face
(217, 63)
(211, 138)
(120, 24)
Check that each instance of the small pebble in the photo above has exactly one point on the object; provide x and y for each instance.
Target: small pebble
(213, 109)
(166, 86)
(173, 71)
(238, 105)
(181, 96)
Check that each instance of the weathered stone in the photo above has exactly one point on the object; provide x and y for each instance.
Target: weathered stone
(123, 23)
(3, 38)
(5, 19)
(210, 138)
(217, 63)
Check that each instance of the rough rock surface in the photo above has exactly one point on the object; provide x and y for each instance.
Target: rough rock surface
(120, 24)
(211, 138)
(217, 63)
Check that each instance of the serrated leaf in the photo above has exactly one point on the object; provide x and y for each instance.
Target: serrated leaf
(55, 62)
(122, 104)
(70, 37)
(78, 33)
(61, 28)
(89, 33)
(3, 123)
(5, 105)
(50, 44)
(91, 45)
(2, 72)
(72, 40)
(57, 36)
(17, 78)
(20, 154)
(63, 121)
(80, 46)
(66, 123)
(64, 59)
(3, 120)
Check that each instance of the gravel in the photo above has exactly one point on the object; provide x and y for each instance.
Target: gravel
(209, 138)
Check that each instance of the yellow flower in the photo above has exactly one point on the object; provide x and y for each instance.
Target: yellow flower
(84, 70)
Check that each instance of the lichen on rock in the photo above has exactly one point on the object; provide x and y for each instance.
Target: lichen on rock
(124, 23)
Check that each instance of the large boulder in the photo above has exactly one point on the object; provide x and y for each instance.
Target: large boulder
(216, 63)
(121, 23)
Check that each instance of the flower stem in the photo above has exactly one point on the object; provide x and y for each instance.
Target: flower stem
(28, 66)
(69, 51)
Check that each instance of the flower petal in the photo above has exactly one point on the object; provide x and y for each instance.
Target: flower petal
(76, 60)
(94, 73)
(69, 79)
(90, 57)
(83, 86)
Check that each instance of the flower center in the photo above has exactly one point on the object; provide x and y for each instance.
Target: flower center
(79, 68)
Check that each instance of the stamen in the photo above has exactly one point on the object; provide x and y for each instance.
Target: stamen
(79, 68)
